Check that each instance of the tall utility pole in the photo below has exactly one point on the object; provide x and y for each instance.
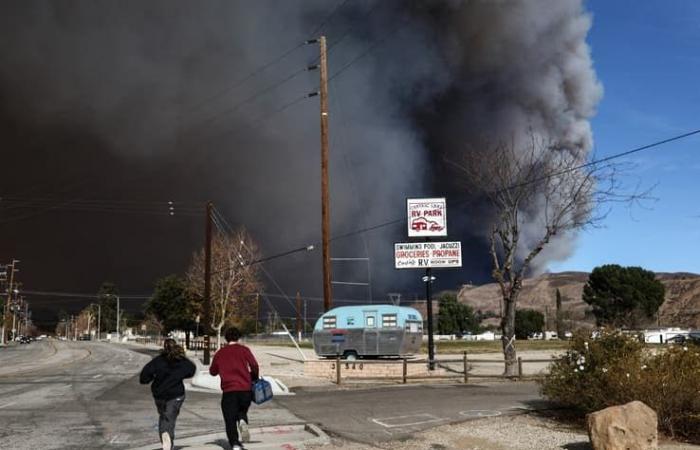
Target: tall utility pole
(10, 289)
(26, 318)
(299, 329)
(207, 280)
(325, 193)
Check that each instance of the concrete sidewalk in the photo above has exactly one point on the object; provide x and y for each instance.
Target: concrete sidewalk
(287, 437)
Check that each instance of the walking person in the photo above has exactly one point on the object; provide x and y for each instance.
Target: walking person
(166, 372)
(238, 369)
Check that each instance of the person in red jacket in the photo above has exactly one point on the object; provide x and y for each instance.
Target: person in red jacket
(238, 369)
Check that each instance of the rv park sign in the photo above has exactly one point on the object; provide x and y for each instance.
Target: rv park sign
(427, 217)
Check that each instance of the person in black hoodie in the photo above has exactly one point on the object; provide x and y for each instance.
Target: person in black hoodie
(167, 371)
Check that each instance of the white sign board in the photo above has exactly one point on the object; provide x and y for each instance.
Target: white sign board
(423, 255)
(426, 217)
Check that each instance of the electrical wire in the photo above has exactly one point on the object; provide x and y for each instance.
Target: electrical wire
(243, 80)
(374, 45)
(260, 69)
(213, 119)
(328, 18)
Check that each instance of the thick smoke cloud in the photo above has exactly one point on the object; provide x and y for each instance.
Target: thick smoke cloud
(128, 100)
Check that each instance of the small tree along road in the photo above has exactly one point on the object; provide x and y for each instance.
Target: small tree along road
(623, 296)
(233, 278)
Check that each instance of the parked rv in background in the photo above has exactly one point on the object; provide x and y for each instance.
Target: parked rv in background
(368, 331)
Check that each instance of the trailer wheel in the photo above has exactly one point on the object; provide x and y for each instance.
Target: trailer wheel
(350, 355)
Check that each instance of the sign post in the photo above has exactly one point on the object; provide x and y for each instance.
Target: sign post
(426, 218)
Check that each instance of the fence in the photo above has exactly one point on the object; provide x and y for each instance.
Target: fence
(388, 369)
(194, 344)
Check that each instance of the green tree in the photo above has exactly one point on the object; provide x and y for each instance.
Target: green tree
(455, 317)
(173, 305)
(528, 322)
(623, 296)
(107, 298)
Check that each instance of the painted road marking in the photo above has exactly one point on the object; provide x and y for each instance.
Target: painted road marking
(7, 404)
(406, 421)
(97, 376)
(480, 413)
(120, 438)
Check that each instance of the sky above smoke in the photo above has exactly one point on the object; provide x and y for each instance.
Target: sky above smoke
(149, 101)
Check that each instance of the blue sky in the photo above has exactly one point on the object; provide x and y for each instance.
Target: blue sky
(647, 55)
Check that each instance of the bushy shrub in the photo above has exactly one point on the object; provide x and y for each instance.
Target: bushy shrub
(614, 369)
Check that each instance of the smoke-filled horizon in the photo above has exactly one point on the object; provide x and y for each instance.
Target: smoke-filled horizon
(144, 101)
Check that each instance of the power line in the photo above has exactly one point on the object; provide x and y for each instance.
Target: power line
(47, 204)
(402, 219)
(252, 97)
(252, 74)
(328, 18)
(367, 50)
(346, 33)
(260, 69)
(81, 295)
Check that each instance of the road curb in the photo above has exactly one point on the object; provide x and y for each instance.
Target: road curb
(199, 441)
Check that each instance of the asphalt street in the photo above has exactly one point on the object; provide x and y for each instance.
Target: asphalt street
(395, 412)
(86, 395)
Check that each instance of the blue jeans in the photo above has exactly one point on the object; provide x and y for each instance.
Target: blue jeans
(168, 411)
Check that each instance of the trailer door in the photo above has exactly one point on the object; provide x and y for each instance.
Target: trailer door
(371, 333)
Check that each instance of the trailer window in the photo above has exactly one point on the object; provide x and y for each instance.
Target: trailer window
(369, 321)
(414, 327)
(329, 322)
(388, 320)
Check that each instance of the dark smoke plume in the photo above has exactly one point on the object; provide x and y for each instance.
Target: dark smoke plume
(104, 99)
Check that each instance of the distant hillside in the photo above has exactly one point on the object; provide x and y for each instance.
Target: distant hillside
(681, 307)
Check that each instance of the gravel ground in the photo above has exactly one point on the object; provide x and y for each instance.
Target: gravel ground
(521, 432)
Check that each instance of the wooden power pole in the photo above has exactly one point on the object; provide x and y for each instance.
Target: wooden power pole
(207, 281)
(299, 325)
(325, 193)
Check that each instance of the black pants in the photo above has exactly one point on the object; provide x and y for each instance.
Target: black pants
(235, 406)
(168, 411)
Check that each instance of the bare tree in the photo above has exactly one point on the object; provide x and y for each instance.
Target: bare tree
(233, 277)
(152, 323)
(85, 319)
(536, 192)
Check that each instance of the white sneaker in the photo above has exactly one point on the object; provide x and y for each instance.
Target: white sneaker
(243, 431)
(237, 447)
(167, 444)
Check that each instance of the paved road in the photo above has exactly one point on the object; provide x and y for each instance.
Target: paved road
(389, 413)
(79, 395)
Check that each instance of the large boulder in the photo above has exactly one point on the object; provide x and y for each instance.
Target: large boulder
(627, 427)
